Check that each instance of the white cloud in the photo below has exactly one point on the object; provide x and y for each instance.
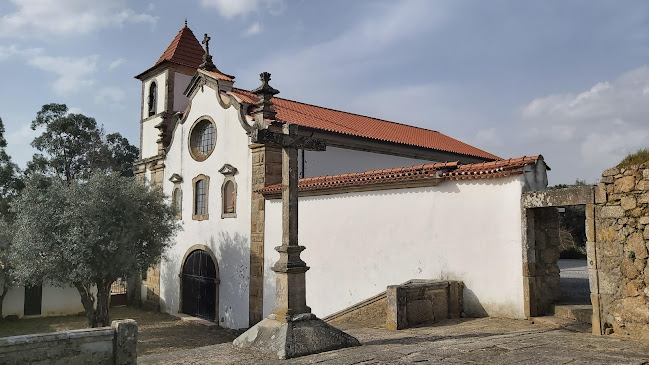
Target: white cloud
(356, 50)
(596, 127)
(74, 73)
(111, 95)
(47, 18)
(232, 8)
(12, 50)
(115, 64)
(18, 143)
(255, 28)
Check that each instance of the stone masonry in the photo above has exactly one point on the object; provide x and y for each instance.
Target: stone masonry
(622, 224)
(266, 170)
(115, 345)
(547, 255)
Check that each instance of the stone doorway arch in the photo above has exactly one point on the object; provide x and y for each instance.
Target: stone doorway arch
(199, 283)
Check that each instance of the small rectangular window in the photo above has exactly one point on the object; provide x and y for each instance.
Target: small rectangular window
(200, 206)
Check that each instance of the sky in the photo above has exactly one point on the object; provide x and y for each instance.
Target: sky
(566, 79)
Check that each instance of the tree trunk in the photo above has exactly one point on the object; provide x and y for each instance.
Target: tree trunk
(5, 290)
(103, 299)
(88, 302)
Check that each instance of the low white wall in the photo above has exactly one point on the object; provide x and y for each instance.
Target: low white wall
(55, 301)
(359, 243)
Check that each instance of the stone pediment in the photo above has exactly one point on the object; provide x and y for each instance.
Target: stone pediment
(175, 178)
(228, 169)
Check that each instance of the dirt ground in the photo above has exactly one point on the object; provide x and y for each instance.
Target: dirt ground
(158, 333)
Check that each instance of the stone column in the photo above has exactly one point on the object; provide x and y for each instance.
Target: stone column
(290, 269)
(291, 330)
(266, 170)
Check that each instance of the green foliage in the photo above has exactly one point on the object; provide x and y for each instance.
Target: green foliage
(563, 186)
(7, 280)
(72, 146)
(637, 158)
(90, 233)
(10, 181)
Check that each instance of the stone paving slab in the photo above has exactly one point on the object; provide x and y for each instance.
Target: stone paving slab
(463, 341)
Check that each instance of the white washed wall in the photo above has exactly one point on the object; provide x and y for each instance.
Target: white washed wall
(149, 137)
(149, 145)
(228, 238)
(160, 81)
(55, 301)
(180, 84)
(336, 161)
(359, 243)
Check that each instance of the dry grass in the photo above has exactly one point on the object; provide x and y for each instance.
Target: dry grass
(157, 332)
(637, 158)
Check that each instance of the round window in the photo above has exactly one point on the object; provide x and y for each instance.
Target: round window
(202, 139)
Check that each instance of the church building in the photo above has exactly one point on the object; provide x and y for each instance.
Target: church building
(366, 220)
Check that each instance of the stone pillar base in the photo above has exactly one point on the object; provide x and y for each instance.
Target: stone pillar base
(303, 334)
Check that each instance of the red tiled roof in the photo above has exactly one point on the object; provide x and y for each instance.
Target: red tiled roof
(217, 75)
(446, 171)
(183, 50)
(357, 125)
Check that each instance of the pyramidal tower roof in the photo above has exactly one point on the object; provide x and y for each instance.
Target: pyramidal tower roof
(183, 50)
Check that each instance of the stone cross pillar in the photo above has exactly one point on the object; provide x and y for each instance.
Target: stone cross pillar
(291, 330)
(290, 269)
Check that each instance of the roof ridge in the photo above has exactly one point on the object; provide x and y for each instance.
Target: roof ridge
(356, 114)
(368, 117)
(455, 171)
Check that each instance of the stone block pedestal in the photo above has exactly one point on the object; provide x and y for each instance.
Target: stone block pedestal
(301, 335)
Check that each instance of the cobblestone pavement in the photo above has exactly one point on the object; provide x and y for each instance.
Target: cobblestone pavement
(467, 341)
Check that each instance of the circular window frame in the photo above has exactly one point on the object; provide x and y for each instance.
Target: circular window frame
(196, 155)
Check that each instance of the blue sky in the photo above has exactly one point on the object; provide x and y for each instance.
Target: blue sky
(566, 79)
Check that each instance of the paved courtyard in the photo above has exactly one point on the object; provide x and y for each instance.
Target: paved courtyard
(466, 341)
(574, 281)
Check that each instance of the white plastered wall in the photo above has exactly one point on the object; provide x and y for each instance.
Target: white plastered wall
(359, 243)
(55, 301)
(336, 161)
(160, 80)
(227, 238)
(180, 84)
(149, 132)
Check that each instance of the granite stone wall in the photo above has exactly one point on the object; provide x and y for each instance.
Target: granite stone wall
(107, 345)
(622, 231)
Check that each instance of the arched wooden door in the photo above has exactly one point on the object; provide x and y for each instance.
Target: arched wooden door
(199, 285)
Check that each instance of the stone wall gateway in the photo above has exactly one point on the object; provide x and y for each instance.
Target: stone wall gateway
(622, 224)
(107, 345)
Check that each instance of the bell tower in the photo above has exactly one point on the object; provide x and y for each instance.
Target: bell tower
(162, 97)
(162, 91)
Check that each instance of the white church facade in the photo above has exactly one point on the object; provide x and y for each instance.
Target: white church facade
(450, 215)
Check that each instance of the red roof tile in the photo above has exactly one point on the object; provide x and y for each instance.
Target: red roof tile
(358, 125)
(184, 50)
(217, 75)
(446, 171)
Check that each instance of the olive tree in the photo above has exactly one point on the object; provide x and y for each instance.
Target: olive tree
(6, 277)
(89, 233)
(10, 186)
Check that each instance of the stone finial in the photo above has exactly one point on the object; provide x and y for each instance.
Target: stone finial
(185, 22)
(264, 107)
(207, 58)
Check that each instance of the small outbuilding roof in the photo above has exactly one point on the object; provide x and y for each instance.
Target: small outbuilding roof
(444, 171)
